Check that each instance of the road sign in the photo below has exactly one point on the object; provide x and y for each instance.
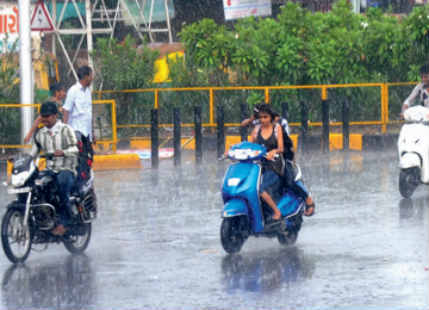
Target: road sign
(235, 9)
(41, 20)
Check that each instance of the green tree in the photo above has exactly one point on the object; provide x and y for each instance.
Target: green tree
(123, 66)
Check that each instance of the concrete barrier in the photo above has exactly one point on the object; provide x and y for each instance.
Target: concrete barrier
(103, 162)
(336, 141)
(116, 162)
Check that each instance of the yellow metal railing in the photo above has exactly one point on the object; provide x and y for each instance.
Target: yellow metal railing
(113, 141)
(384, 102)
(324, 93)
(17, 106)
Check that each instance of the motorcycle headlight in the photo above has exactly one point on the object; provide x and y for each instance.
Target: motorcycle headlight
(19, 179)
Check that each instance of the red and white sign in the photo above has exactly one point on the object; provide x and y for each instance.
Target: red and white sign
(244, 8)
(41, 20)
(9, 27)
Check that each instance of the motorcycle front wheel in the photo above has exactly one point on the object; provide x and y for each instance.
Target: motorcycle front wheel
(409, 179)
(231, 235)
(77, 242)
(15, 236)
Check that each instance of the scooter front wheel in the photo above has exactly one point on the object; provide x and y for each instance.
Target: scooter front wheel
(408, 181)
(231, 234)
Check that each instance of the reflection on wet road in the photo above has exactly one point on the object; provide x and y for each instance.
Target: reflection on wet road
(156, 246)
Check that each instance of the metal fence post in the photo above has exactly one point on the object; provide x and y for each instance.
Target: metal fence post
(220, 131)
(154, 138)
(177, 136)
(325, 125)
(304, 125)
(285, 110)
(198, 134)
(244, 115)
(346, 125)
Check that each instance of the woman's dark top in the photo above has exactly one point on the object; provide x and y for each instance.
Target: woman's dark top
(270, 144)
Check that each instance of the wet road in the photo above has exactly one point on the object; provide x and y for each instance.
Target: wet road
(156, 245)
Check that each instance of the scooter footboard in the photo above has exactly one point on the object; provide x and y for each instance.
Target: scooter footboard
(235, 207)
(409, 160)
(290, 204)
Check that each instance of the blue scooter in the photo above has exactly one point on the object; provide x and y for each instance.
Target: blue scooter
(244, 213)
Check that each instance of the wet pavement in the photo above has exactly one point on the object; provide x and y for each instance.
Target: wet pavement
(156, 246)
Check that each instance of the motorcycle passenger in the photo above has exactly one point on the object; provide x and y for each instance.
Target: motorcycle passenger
(421, 91)
(58, 93)
(265, 134)
(253, 120)
(60, 140)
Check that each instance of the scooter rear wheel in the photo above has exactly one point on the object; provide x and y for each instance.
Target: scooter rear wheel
(287, 238)
(408, 181)
(231, 235)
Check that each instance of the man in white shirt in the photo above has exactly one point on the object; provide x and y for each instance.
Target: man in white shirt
(420, 91)
(77, 108)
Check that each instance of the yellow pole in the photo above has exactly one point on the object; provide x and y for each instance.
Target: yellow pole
(267, 95)
(386, 102)
(383, 108)
(114, 129)
(324, 93)
(156, 99)
(211, 106)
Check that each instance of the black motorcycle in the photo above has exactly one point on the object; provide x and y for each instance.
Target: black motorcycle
(29, 219)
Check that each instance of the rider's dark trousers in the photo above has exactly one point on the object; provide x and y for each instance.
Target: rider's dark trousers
(66, 180)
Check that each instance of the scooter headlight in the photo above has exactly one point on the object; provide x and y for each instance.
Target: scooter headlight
(243, 154)
(233, 181)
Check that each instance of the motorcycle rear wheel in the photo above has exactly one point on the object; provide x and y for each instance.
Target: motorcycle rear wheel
(77, 243)
(408, 181)
(231, 235)
(15, 236)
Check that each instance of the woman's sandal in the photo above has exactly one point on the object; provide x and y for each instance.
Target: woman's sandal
(309, 209)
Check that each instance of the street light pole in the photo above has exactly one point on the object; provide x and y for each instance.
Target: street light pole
(25, 66)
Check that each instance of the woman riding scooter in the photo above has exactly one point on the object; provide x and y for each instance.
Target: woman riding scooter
(287, 176)
(420, 92)
(269, 135)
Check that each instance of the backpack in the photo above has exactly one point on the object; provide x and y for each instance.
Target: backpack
(287, 142)
(85, 158)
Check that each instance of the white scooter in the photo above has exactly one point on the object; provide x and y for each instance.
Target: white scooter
(413, 149)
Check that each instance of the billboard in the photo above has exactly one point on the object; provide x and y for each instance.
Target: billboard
(235, 9)
(9, 26)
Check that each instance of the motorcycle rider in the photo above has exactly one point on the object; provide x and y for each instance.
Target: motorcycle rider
(60, 140)
(421, 91)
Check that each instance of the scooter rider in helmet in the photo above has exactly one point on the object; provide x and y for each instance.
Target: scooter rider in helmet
(60, 140)
(420, 92)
